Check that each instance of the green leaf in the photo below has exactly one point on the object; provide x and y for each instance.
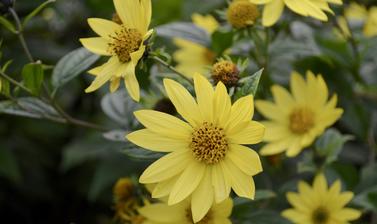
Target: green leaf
(249, 85)
(71, 65)
(264, 217)
(33, 75)
(184, 30)
(36, 11)
(9, 166)
(141, 154)
(4, 87)
(221, 41)
(7, 24)
(30, 107)
(259, 195)
(330, 144)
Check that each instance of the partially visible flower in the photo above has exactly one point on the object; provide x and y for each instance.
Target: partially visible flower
(192, 57)
(226, 72)
(124, 43)
(206, 156)
(370, 28)
(297, 120)
(273, 9)
(242, 13)
(161, 213)
(126, 202)
(320, 204)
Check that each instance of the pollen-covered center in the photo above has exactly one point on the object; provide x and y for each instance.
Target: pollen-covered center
(301, 120)
(205, 220)
(242, 13)
(320, 216)
(208, 143)
(226, 72)
(125, 42)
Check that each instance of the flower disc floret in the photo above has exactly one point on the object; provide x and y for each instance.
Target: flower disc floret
(226, 72)
(242, 13)
(125, 42)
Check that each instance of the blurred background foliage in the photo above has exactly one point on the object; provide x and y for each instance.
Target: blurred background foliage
(57, 173)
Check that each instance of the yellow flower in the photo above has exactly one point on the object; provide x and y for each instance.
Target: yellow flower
(370, 28)
(161, 213)
(320, 204)
(205, 157)
(242, 13)
(297, 119)
(123, 43)
(273, 9)
(192, 57)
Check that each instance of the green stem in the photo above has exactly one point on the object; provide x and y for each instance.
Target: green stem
(20, 34)
(170, 67)
(14, 82)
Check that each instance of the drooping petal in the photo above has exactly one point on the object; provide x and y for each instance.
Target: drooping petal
(104, 28)
(202, 197)
(131, 83)
(187, 182)
(166, 167)
(114, 84)
(107, 72)
(183, 102)
(155, 142)
(164, 124)
(246, 159)
(97, 45)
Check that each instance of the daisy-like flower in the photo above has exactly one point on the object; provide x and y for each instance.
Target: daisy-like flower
(192, 57)
(320, 204)
(297, 120)
(273, 9)
(161, 213)
(124, 43)
(205, 157)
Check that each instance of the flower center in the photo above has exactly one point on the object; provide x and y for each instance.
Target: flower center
(125, 42)
(301, 120)
(205, 220)
(208, 143)
(226, 72)
(242, 13)
(320, 216)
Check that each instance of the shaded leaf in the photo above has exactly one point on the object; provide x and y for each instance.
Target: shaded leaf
(184, 30)
(136, 153)
(36, 11)
(7, 24)
(249, 85)
(33, 75)
(8, 166)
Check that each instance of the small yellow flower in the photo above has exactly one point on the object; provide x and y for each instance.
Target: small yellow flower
(206, 156)
(273, 9)
(242, 13)
(161, 213)
(370, 28)
(296, 120)
(192, 57)
(320, 204)
(124, 43)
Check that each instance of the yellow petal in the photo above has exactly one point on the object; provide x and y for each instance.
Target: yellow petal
(104, 28)
(295, 147)
(295, 216)
(320, 184)
(107, 72)
(246, 159)
(251, 133)
(271, 111)
(223, 209)
(276, 147)
(275, 131)
(348, 214)
(202, 197)
(283, 98)
(164, 124)
(129, 12)
(131, 83)
(222, 104)
(166, 167)
(187, 182)
(97, 70)
(183, 102)
(298, 88)
(147, 8)
(164, 188)
(204, 96)
(297, 6)
(242, 184)
(208, 22)
(242, 111)
(155, 142)
(272, 12)
(137, 55)
(162, 213)
(221, 188)
(97, 45)
(114, 84)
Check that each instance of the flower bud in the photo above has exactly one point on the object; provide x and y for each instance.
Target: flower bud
(226, 72)
(242, 13)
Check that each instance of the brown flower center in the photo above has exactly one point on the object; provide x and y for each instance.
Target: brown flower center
(125, 42)
(208, 143)
(226, 72)
(320, 216)
(205, 220)
(301, 120)
(242, 13)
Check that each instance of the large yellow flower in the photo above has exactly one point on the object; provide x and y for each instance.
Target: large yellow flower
(296, 120)
(320, 204)
(123, 43)
(273, 9)
(205, 157)
(192, 57)
(161, 213)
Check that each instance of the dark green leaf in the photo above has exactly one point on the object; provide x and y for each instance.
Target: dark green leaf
(141, 154)
(249, 85)
(221, 41)
(7, 24)
(9, 166)
(72, 65)
(33, 75)
(36, 11)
